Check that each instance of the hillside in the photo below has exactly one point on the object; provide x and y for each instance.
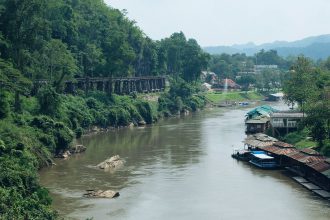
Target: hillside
(316, 47)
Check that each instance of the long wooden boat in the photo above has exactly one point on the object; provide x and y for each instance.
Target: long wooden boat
(243, 155)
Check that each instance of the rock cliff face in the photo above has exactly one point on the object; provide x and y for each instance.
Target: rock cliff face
(112, 163)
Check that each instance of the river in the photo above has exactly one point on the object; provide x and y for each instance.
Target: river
(178, 169)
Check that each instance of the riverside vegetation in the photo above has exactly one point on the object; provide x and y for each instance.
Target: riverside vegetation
(308, 85)
(61, 40)
(48, 124)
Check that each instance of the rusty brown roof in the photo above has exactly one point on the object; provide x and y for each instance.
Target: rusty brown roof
(257, 143)
(259, 140)
(310, 152)
(283, 144)
(305, 158)
(320, 166)
(278, 150)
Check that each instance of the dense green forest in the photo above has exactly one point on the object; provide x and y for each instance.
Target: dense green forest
(60, 40)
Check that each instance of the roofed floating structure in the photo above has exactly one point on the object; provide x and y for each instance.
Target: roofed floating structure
(265, 117)
(258, 119)
(285, 121)
(307, 163)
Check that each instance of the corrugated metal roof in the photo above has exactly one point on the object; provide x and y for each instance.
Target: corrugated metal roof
(287, 115)
(258, 120)
(283, 144)
(257, 143)
(259, 140)
(261, 137)
(261, 110)
(310, 152)
(305, 158)
(278, 150)
(320, 166)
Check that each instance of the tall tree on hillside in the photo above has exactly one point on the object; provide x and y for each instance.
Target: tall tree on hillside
(58, 61)
(24, 27)
(194, 61)
(301, 84)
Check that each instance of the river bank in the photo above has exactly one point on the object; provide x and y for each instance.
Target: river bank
(306, 165)
(49, 122)
(217, 98)
(177, 156)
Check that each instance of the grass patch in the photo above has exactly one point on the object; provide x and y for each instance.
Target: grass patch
(305, 144)
(217, 97)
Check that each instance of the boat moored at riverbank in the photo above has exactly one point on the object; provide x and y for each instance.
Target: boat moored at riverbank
(262, 160)
(243, 155)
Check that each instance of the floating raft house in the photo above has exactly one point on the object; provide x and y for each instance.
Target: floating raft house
(258, 119)
(264, 110)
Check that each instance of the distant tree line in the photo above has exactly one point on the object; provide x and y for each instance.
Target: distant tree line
(240, 67)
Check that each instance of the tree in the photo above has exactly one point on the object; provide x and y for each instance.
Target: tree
(12, 80)
(194, 61)
(245, 81)
(58, 61)
(4, 105)
(93, 59)
(24, 28)
(49, 101)
(301, 83)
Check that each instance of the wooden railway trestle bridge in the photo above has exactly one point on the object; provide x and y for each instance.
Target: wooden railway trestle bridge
(116, 85)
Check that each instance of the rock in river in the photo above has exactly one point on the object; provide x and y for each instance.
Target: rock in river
(77, 149)
(101, 194)
(111, 163)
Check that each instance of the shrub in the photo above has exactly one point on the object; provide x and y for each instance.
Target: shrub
(325, 150)
(49, 101)
(113, 117)
(92, 103)
(79, 132)
(145, 111)
(124, 118)
(293, 137)
(63, 136)
(57, 133)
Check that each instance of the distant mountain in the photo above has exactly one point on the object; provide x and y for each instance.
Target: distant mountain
(316, 47)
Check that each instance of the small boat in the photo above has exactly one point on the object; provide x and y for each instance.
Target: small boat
(243, 103)
(262, 160)
(243, 155)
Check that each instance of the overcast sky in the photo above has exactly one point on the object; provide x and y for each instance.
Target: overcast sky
(226, 22)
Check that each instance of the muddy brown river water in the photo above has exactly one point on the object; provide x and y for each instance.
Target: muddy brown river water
(179, 169)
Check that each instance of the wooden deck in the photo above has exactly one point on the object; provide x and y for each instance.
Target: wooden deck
(312, 187)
